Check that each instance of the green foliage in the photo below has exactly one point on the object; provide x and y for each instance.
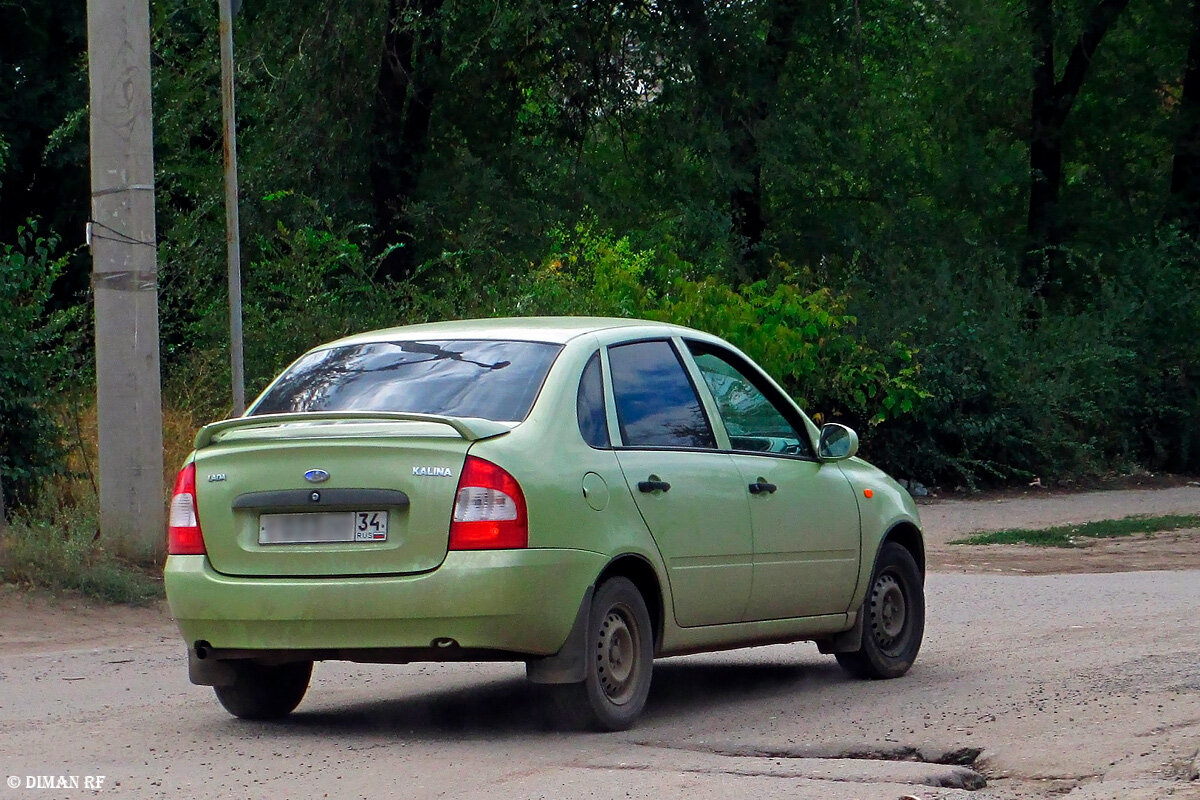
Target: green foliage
(883, 147)
(56, 545)
(43, 84)
(34, 363)
(1007, 398)
(307, 285)
(1160, 326)
(807, 341)
(1069, 535)
(804, 337)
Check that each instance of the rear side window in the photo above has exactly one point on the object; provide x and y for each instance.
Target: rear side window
(589, 405)
(455, 378)
(657, 405)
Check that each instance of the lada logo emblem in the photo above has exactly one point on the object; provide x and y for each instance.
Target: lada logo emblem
(316, 476)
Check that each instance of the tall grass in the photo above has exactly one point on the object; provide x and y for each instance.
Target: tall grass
(56, 544)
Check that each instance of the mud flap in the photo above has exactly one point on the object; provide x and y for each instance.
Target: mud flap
(847, 641)
(209, 671)
(567, 665)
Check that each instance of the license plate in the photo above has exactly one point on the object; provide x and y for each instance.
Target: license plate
(322, 527)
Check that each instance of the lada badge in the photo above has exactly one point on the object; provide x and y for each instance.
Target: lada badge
(316, 476)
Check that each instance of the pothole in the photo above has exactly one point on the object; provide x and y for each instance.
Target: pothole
(955, 756)
(949, 767)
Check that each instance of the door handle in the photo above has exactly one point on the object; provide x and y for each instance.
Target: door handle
(653, 485)
(760, 487)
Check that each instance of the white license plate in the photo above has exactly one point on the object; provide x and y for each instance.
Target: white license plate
(324, 526)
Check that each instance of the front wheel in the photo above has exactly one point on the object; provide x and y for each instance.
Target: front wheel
(264, 692)
(894, 620)
(619, 660)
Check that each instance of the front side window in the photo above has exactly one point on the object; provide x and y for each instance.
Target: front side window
(493, 380)
(754, 423)
(657, 405)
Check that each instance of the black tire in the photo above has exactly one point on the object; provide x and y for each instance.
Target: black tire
(894, 621)
(619, 660)
(265, 692)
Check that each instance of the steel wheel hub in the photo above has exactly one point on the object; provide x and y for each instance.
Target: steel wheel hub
(888, 610)
(616, 657)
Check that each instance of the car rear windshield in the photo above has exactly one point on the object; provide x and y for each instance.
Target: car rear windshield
(496, 380)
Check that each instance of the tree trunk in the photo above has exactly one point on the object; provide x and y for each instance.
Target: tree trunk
(1185, 171)
(1045, 155)
(1043, 272)
(721, 95)
(404, 100)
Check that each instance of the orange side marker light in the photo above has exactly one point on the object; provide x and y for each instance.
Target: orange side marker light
(867, 493)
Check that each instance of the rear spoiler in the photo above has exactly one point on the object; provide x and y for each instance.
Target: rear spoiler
(470, 428)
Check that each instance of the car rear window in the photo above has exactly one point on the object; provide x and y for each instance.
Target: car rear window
(496, 380)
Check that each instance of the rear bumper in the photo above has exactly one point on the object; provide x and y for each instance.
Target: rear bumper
(514, 601)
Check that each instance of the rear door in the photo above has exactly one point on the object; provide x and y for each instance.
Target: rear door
(689, 494)
(804, 514)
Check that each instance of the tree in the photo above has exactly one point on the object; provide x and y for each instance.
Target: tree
(404, 103)
(1051, 102)
(43, 121)
(737, 86)
(1185, 171)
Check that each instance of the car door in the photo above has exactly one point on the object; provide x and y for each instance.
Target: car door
(689, 494)
(804, 514)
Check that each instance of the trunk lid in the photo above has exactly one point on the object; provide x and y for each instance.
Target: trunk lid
(330, 494)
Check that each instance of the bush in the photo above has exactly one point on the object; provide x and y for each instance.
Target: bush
(1014, 390)
(955, 376)
(305, 285)
(34, 361)
(55, 545)
(1159, 294)
(803, 335)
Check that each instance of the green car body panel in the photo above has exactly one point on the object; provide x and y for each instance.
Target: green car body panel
(719, 566)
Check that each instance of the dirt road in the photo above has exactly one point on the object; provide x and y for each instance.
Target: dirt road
(953, 519)
(1084, 686)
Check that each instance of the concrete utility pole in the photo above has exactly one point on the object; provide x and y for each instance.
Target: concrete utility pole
(125, 279)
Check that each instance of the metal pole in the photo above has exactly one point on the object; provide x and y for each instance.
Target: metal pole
(125, 279)
(233, 241)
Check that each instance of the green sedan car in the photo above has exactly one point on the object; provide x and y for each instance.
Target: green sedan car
(583, 495)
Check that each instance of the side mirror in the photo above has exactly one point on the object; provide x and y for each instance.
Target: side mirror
(837, 442)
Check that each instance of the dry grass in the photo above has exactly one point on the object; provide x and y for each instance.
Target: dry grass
(81, 425)
(56, 544)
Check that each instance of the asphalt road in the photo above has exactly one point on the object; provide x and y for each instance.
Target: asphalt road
(1078, 686)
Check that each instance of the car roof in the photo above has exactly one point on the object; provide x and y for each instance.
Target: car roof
(556, 330)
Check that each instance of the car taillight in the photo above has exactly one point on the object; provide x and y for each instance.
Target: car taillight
(184, 537)
(489, 509)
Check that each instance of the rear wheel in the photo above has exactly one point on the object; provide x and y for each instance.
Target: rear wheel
(894, 617)
(265, 692)
(619, 659)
